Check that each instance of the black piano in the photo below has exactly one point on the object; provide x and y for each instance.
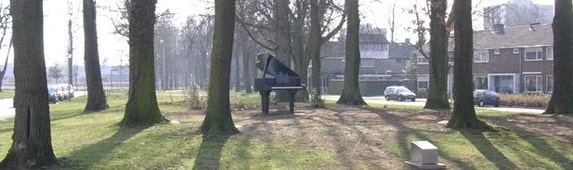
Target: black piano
(276, 76)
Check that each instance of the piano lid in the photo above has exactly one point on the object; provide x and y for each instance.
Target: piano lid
(273, 66)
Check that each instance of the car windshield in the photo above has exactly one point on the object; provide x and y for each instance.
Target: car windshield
(403, 90)
(51, 89)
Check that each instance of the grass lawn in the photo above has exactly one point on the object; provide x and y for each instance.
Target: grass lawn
(335, 137)
(6, 94)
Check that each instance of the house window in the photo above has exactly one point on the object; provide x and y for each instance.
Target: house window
(481, 56)
(422, 81)
(423, 60)
(496, 51)
(549, 84)
(366, 63)
(549, 55)
(533, 54)
(533, 83)
(422, 85)
(480, 82)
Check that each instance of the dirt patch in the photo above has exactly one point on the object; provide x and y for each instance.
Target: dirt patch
(357, 134)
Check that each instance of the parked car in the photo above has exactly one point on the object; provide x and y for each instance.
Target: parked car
(486, 97)
(52, 95)
(399, 93)
(62, 92)
(65, 91)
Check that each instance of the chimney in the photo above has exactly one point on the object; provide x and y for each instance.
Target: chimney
(499, 28)
(407, 41)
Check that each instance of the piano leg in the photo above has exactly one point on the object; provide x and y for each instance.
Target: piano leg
(265, 100)
(291, 94)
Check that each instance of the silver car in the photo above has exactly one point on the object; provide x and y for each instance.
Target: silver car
(399, 93)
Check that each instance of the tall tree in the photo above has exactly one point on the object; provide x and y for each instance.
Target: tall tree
(96, 95)
(438, 83)
(31, 141)
(4, 25)
(218, 120)
(351, 92)
(314, 50)
(141, 105)
(561, 101)
(463, 115)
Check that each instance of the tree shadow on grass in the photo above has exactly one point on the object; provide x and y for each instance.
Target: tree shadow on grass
(487, 149)
(88, 156)
(543, 148)
(404, 132)
(209, 154)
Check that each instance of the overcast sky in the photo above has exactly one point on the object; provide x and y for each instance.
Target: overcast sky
(113, 48)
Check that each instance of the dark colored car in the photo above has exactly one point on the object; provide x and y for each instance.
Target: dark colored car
(399, 93)
(53, 95)
(486, 97)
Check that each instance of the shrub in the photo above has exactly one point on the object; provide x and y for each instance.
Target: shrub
(525, 100)
(195, 100)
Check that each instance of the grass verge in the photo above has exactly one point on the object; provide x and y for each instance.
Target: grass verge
(335, 137)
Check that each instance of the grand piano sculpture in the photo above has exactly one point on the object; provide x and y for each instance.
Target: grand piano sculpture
(282, 78)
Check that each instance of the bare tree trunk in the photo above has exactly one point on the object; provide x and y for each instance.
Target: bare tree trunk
(237, 72)
(141, 105)
(561, 101)
(247, 55)
(351, 92)
(3, 71)
(96, 95)
(71, 50)
(438, 83)
(31, 141)
(313, 48)
(464, 115)
(300, 57)
(283, 39)
(218, 119)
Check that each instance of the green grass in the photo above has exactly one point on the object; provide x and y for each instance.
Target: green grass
(94, 141)
(6, 94)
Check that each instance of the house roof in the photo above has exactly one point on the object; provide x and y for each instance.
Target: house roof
(400, 50)
(522, 36)
(372, 38)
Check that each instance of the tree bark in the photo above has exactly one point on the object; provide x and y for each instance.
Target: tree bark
(141, 105)
(247, 59)
(300, 58)
(438, 83)
(218, 119)
(283, 48)
(464, 115)
(313, 48)
(3, 71)
(96, 96)
(351, 92)
(31, 141)
(561, 101)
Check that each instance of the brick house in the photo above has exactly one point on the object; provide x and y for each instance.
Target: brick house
(381, 63)
(507, 60)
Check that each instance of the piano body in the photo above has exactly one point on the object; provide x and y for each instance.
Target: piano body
(276, 76)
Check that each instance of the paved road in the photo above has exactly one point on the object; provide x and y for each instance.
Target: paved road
(7, 111)
(422, 102)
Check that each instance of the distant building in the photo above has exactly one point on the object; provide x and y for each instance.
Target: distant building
(379, 59)
(508, 60)
(517, 13)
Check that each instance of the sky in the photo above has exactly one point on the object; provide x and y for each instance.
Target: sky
(113, 48)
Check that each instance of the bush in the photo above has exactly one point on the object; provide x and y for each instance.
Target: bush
(525, 100)
(195, 100)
